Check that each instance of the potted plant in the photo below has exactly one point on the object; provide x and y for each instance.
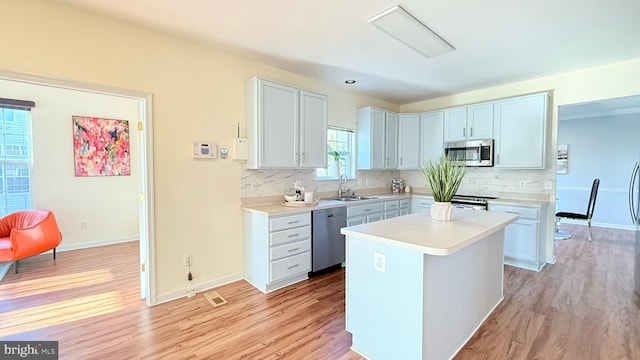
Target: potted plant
(444, 177)
(334, 166)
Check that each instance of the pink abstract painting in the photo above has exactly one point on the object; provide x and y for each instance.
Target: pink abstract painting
(101, 146)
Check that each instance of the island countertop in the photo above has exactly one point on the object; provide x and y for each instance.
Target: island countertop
(420, 232)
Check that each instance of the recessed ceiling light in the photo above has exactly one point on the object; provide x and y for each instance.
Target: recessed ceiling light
(406, 28)
(350, 82)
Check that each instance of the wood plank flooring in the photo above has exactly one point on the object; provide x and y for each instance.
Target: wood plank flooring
(583, 307)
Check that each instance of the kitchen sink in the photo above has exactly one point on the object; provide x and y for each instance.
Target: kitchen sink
(354, 198)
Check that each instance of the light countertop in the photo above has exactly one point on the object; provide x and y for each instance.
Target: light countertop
(419, 232)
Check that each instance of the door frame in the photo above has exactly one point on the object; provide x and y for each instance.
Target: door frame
(145, 167)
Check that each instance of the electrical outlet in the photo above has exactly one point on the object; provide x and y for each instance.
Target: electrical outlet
(254, 186)
(548, 185)
(366, 181)
(523, 185)
(191, 292)
(83, 225)
(379, 261)
(360, 181)
(186, 259)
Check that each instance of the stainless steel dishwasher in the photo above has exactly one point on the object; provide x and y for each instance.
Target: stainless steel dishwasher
(327, 244)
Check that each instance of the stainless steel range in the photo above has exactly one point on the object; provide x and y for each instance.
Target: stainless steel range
(471, 201)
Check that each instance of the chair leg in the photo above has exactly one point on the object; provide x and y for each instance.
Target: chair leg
(590, 236)
(15, 263)
(54, 254)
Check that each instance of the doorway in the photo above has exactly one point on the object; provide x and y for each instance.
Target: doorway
(140, 120)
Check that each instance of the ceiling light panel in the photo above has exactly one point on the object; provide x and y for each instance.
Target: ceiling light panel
(404, 27)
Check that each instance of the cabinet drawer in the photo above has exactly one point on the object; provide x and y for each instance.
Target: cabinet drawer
(282, 251)
(405, 203)
(390, 214)
(358, 220)
(391, 205)
(524, 212)
(290, 235)
(289, 266)
(288, 222)
(364, 209)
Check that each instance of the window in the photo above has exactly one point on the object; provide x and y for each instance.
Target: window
(15, 159)
(340, 155)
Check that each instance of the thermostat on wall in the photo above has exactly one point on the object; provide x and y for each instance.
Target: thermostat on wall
(204, 150)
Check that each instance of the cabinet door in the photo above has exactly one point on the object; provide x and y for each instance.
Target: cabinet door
(409, 143)
(374, 217)
(378, 135)
(520, 132)
(313, 130)
(431, 135)
(278, 125)
(391, 141)
(455, 124)
(480, 121)
(521, 240)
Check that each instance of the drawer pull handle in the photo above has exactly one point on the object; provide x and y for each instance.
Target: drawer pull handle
(294, 235)
(292, 250)
(293, 222)
(293, 266)
(367, 210)
(513, 212)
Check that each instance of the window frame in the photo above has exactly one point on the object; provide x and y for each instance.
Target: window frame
(323, 173)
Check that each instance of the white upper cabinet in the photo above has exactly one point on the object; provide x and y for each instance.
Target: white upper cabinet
(313, 130)
(373, 133)
(469, 122)
(455, 124)
(286, 126)
(409, 142)
(431, 135)
(391, 141)
(520, 132)
(480, 121)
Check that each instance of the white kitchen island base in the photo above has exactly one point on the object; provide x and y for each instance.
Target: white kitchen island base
(403, 302)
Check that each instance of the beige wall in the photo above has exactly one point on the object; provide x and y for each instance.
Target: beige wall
(106, 204)
(198, 94)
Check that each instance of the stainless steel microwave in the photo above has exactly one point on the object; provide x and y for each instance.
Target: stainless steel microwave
(471, 152)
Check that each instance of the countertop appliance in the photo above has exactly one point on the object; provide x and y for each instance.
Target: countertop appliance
(471, 152)
(634, 208)
(471, 201)
(327, 244)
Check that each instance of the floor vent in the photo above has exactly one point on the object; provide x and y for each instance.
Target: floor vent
(214, 298)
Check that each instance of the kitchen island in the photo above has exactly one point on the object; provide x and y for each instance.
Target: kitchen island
(418, 288)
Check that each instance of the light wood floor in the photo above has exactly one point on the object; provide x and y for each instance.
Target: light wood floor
(583, 307)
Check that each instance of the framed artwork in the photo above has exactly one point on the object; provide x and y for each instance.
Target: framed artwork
(101, 146)
(563, 159)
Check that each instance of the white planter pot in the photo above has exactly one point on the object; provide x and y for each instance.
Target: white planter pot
(334, 169)
(442, 211)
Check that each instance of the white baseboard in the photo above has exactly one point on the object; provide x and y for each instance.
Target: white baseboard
(86, 245)
(598, 224)
(207, 285)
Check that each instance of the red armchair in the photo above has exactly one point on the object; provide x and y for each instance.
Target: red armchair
(27, 233)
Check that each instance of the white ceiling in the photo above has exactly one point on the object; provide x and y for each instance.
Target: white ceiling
(496, 41)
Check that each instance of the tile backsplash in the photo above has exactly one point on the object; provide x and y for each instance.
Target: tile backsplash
(478, 181)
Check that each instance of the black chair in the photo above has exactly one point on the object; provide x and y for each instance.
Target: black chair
(575, 216)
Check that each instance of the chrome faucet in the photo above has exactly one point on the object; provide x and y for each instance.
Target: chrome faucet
(342, 192)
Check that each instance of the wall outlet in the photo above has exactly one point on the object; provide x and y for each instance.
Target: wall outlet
(366, 181)
(523, 185)
(191, 292)
(360, 181)
(548, 185)
(83, 225)
(379, 261)
(186, 259)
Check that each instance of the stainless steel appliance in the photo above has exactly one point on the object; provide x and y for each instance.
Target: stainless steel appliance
(472, 152)
(471, 202)
(327, 244)
(634, 208)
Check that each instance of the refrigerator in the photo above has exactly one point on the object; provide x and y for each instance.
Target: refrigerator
(634, 208)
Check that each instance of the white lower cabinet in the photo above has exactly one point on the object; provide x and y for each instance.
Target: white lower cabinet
(421, 204)
(524, 243)
(277, 249)
(366, 213)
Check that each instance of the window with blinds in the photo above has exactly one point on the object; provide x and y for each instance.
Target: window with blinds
(15, 155)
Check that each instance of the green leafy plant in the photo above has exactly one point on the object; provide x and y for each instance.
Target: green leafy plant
(337, 155)
(444, 176)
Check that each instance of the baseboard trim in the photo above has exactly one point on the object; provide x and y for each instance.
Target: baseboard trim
(597, 224)
(203, 286)
(86, 245)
